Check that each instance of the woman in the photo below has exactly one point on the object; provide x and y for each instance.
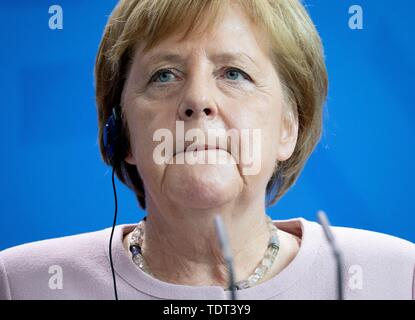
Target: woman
(167, 68)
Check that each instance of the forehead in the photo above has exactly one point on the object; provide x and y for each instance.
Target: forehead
(232, 36)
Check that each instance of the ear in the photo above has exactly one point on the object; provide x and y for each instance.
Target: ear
(288, 134)
(130, 159)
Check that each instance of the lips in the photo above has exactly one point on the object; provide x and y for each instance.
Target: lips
(200, 147)
(191, 147)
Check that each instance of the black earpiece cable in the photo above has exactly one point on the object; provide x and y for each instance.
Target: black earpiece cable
(112, 233)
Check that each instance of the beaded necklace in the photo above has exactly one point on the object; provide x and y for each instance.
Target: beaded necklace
(137, 237)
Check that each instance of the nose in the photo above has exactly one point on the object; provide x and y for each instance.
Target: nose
(198, 101)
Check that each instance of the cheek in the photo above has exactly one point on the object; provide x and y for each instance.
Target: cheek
(262, 112)
(270, 120)
(270, 138)
(143, 122)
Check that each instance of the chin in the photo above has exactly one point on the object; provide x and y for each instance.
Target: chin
(202, 186)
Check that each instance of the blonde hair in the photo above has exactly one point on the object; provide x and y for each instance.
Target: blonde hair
(295, 49)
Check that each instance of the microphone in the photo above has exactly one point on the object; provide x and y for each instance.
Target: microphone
(226, 252)
(324, 221)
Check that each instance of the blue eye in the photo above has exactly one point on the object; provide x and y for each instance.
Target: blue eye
(234, 73)
(162, 76)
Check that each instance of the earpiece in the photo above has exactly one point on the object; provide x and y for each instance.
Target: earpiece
(114, 152)
(111, 137)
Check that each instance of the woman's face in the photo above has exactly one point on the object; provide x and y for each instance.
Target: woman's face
(212, 81)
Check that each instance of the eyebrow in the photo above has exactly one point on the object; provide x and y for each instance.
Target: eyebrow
(164, 57)
(233, 56)
(224, 57)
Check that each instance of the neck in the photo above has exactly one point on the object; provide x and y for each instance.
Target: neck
(181, 246)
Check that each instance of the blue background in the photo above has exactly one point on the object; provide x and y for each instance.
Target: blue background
(53, 182)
